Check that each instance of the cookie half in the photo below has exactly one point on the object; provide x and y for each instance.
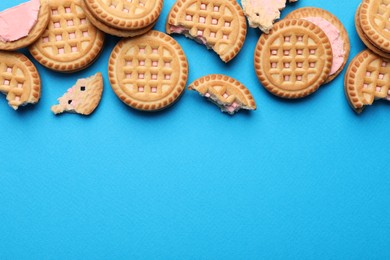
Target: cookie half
(148, 72)
(125, 14)
(367, 79)
(35, 32)
(19, 79)
(227, 93)
(70, 42)
(83, 97)
(294, 59)
(374, 20)
(333, 29)
(218, 24)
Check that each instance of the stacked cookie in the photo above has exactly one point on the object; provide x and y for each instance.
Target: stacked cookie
(302, 52)
(123, 18)
(368, 75)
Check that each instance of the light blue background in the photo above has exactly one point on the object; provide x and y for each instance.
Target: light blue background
(305, 179)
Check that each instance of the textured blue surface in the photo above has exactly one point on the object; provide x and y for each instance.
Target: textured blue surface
(300, 179)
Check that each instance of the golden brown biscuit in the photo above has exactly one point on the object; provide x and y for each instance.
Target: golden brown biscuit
(125, 14)
(333, 29)
(367, 79)
(294, 59)
(35, 33)
(19, 79)
(218, 24)
(83, 97)
(148, 72)
(227, 93)
(364, 38)
(70, 42)
(111, 30)
(374, 21)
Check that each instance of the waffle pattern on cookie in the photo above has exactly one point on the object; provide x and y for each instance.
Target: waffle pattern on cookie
(220, 25)
(375, 22)
(125, 14)
(70, 42)
(294, 59)
(148, 72)
(367, 79)
(225, 91)
(19, 79)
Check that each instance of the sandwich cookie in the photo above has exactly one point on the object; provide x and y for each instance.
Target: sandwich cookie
(227, 93)
(148, 72)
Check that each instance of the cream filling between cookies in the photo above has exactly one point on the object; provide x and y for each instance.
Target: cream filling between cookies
(231, 108)
(335, 39)
(16, 22)
(186, 32)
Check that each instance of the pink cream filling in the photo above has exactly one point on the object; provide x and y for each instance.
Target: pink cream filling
(335, 39)
(16, 22)
(183, 30)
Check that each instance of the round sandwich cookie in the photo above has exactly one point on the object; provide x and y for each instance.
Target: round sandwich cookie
(227, 93)
(19, 79)
(70, 42)
(22, 25)
(125, 14)
(374, 21)
(111, 30)
(364, 38)
(334, 30)
(148, 72)
(294, 59)
(82, 98)
(367, 79)
(218, 24)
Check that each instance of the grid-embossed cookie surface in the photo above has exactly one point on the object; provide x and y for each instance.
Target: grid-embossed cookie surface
(19, 79)
(375, 21)
(221, 23)
(294, 59)
(126, 14)
(367, 79)
(70, 39)
(148, 72)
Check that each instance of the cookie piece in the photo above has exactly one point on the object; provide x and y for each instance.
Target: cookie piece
(218, 24)
(111, 30)
(263, 13)
(70, 42)
(125, 14)
(148, 72)
(294, 59)
(367, 79)
(334, 30)
(83, 97)
(19, 79)
(35, 32)
(227, 93)
(374, 21)
(364, 38)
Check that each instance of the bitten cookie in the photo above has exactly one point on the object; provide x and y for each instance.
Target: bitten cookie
(367, 79)
(218, 24)
(148, 72)
(294, 59)
(19, 79)
(263, 13)
(227, 93)
(83, 97)
(70, 42)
